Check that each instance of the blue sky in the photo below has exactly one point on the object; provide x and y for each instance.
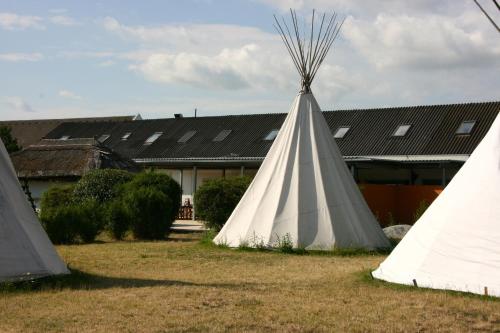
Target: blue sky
(156, 58)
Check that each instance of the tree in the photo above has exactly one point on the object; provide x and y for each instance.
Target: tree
(8, 140)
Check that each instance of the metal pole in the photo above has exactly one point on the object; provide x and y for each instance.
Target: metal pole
(195, 177)
(443, 177)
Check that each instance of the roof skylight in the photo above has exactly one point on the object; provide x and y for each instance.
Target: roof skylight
(126, 136)
(222, 135)
(341, 132)
(185, 138)
(103, 138)
(271, 135)
(64, 137)
(153, 138)
(401, 130)
(466, 127)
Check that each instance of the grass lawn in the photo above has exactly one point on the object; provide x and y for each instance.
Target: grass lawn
(183, 286)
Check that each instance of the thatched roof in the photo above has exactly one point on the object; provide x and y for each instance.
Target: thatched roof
(67, 158)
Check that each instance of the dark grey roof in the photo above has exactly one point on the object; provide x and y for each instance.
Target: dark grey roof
(29, 132)
(432, 132)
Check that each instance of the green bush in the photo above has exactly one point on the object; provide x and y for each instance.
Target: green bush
(216, 199)
(56, 196)
(117, 219)
(67, 224)
(161, 182)
(90, 220)
(101, 185)
(150, 212)
(60, 224)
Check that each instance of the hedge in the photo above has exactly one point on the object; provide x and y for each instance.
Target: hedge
(216, 199)
(150, 212)
(101, 185)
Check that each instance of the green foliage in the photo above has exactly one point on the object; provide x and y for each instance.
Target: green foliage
(90, 220)
(161, 182)
(56, 196)
(101, 185)
(216, 199)
(285, 244)
(60, 224)
(117, 219)
(67, 223)
(150, 212)
(420, 210)
(8, 140)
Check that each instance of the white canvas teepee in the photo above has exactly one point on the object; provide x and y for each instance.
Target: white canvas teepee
(455, 245)
(25, 250)
(303, 192)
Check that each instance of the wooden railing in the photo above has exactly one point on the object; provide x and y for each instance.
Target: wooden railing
(185, 212)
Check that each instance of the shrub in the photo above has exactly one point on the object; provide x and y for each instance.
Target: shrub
(90, 219)
(100, 185)
(60, 224)
(161, 182)
(66, 224)
(56, 196)
(216, 199)
(117, 219)
(150, 212)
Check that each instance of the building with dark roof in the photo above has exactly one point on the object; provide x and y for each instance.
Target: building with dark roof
(65, 161)
(421, 145)
(28, 132)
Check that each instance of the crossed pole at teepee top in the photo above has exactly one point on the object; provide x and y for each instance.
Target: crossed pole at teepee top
(308, 54)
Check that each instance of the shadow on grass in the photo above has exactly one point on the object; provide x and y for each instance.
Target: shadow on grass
(79, 280)
(366, 278)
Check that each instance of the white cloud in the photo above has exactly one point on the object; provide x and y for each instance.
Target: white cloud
(230, 69)
(18, 105)
(18, 57)
(424, 43)
(209, 38)
(11, 21)
(64, 20)
(69, 94)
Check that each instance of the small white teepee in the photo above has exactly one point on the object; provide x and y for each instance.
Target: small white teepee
(303, 192)
(455, 245)
(25, 250)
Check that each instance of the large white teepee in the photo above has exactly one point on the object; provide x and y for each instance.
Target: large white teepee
(303, 191)
(25, 250)
(455, 245)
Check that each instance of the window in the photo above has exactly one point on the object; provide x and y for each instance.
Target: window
(64, 137)
(185, 138)
(103, 138)
(153, 138)
(222, 135)
(465, 127)
(341, 132)
(126, 136)
(271, 135)
(401, 130)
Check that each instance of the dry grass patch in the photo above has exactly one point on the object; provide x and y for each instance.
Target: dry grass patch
(182, 286)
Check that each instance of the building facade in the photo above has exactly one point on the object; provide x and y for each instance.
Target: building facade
(405, 146)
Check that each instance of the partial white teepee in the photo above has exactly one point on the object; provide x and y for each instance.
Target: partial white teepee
(303, 192)
(455, 245)
(25, 250)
